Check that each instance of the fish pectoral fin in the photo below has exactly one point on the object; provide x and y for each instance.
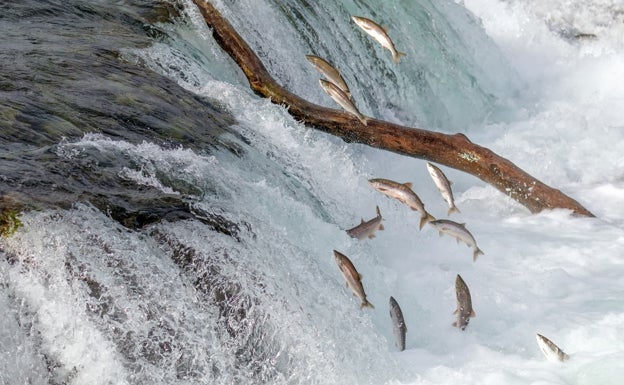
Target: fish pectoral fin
(371, 236)
(456, 310)
(472, 313)
(408, 184)
(381, 227)
(454, 324)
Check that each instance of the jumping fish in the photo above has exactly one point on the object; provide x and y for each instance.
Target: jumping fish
(459, 232)
(352, 278)
(403, 193)
(444, 185)
(398, 323)
(332, 74)
(378, 33)
(367, 229)
(341, 98)
(464, 304)
(550, 350)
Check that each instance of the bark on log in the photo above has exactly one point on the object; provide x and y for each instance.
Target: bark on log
(455, 151)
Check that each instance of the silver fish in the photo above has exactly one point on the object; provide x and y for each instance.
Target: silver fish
(459, 231)
(550, 350)
(352, 278)
(398, 323)
(403, 193)
(332, 74)
(444, 185)
(464, 304)
(378, 33)
(367, 229)
(341, 98)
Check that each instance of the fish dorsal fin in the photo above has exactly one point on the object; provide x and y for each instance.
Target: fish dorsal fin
(359, 276)
(450, 182)
(385, 29)
(408, 184)
(463, 225)
(378, 212)
(472, 313)
(362, 221)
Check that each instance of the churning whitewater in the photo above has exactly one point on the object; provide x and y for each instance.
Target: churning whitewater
(182, 230)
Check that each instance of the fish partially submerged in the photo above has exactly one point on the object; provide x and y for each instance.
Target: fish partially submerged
(444, 185)
(459, 232)
(398, 323)
(352, 278)
(403, 193)
(342, 99)
(550, 350)
(331, 73)
(367, 229)
(464, 304)
(378, 33)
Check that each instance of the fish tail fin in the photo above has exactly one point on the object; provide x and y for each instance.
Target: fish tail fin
(476, 254)
(453, 210)
(397, 55)
(426, 219)
(366, 304)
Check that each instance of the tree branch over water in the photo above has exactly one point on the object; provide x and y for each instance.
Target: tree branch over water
(455, 151)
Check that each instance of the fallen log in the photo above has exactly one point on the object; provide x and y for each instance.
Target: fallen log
(455, 151)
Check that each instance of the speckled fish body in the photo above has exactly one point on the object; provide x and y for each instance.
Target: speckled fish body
(550, 350)
(464, 304)
(398, 324)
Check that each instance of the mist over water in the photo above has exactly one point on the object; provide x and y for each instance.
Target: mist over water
(180, 229)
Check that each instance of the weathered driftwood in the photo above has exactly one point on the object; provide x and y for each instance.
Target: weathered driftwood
(454, 151)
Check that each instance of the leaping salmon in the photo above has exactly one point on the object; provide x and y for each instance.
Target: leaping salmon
(342, 99)
(459, 232)
(367, 229)
(378, 33)
(403, 193)
(352, 278)
(444, 185)
(331, 73)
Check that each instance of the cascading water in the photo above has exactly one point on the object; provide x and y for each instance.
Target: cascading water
(180, 229)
